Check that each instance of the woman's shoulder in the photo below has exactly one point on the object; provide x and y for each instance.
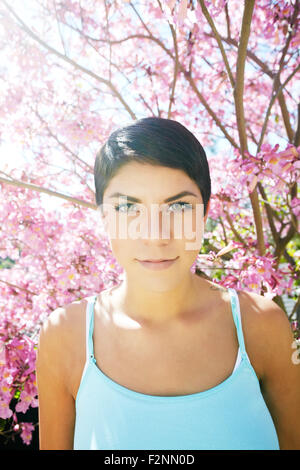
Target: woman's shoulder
(62, 341)
(262, 321)
(63, 327)
(258, 314)
(258, 308)
(64, 320)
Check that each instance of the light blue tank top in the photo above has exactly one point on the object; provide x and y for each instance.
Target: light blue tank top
(230, 416)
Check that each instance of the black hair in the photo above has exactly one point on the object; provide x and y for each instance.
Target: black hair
(157, 141)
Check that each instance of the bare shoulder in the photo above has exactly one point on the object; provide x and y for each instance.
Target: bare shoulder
(258, 310)
(62, 322)
(62, 341)
(263, 322)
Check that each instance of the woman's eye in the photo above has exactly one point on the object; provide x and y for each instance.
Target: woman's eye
(125, 206)
(181, 206)
(175, 207)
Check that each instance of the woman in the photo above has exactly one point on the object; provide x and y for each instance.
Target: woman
(167, 359)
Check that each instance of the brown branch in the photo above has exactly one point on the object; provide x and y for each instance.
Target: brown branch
(180, 66)
(295, 308)
(62, 144)
(173, 32)
(191, 82)
(233, 42)
(290, 35)
(240, 115)
(237, 235)
(14, 286)
(218, 39)
(280, 243)
(275, 92)
(227, 21)
(211, 113)
(58, 27)
(147, 105)
(267, 71)
(297, 133)
(240, 74)
(224, 231)
(270, 213)
(171, 100)
(34, 187)
(108, 35)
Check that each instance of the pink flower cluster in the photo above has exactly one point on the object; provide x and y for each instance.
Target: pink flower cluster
(270, 166)
(17, 376)
(55, 262)
(249, 271)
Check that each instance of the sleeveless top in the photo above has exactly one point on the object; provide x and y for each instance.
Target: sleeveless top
(230, 416)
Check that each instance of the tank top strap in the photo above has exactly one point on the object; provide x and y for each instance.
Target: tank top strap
(236, 313)
(90, 327)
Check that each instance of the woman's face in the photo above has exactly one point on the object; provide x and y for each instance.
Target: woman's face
(152, 224)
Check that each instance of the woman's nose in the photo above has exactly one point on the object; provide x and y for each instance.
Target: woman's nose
(155, 223)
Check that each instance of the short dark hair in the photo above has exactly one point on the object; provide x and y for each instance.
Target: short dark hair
(157, 141)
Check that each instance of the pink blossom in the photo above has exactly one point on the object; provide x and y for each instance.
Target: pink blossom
(5, 411)
(24, 402)
(26, 434)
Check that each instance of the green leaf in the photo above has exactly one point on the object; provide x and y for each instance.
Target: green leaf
(2, 424)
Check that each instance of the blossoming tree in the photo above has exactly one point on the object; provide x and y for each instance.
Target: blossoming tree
(74, 71)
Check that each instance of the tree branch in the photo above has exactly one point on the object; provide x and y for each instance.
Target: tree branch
(14, 286)
(240, 74)
(267, 71)
(227, 21)
(34, 187)
(217, 36)
(63, 145)
(240, 115)
(180, 67)
(275, 92)
(237, 235)
(297, 133)
(108, 35)
(175, 71)
(109, 84)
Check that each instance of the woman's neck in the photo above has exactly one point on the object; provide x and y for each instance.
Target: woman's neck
(153, 308)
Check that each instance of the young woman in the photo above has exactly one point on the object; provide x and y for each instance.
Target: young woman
(166, 359)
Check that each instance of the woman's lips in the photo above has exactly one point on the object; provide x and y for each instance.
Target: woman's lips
(158, 265)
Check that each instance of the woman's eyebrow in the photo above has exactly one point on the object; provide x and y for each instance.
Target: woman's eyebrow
(169, 199)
